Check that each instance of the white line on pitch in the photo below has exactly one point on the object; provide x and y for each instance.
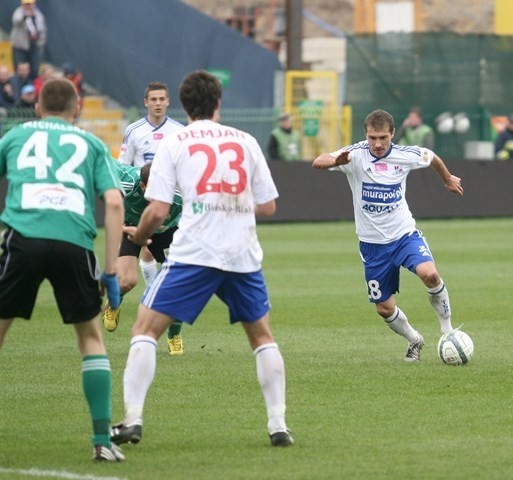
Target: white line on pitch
(34, 472)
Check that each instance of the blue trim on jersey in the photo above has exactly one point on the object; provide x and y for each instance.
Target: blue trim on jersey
(408, 148)
(384, 156)
(175, 122)
(156, 127)
(143, 121)
(166, 119)
(364, 145)
(132, 127)
(358, 146)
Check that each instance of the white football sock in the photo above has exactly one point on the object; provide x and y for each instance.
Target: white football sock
(400, 325)
(271, 376)
(149, 270)
(139, 374)
(439, 299)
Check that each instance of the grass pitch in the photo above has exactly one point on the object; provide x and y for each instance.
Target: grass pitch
(358, 411)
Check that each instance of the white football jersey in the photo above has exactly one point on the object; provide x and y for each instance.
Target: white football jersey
(142, 138)
(381, 212)
(222, 174)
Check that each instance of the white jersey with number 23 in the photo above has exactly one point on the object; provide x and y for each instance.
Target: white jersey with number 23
(222, 174)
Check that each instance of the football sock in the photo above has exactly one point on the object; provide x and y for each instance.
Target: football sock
(96, 382)
(149, 270)
(174, 329)
(138, 376)
(439, 299)
(400, 325)
(271, 376)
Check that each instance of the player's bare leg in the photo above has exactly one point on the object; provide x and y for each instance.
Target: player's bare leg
(5, 324)
(126, 267)
(149, 270)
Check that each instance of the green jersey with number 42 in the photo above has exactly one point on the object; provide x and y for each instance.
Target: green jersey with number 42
(54, 173)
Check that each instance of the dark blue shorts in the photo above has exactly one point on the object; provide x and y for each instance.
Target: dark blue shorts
(382, 263)
(181, 291)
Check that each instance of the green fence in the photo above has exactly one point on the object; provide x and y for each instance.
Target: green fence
(438, 72)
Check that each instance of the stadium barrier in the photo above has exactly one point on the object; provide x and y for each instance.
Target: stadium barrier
(110, 123)
(307, 194)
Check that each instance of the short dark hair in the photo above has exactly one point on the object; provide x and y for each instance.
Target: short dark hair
(144, 174)
(155, 86)
(379, 119)
(58, 95)
(200, 93)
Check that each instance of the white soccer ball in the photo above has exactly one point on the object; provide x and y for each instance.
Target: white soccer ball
(455, 348)
(445, 123)
(461, 122)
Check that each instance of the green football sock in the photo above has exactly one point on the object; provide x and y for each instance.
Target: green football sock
(174, 329)
(96, 382)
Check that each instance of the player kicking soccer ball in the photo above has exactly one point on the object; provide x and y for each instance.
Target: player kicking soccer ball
(376, 170)
(134, 181)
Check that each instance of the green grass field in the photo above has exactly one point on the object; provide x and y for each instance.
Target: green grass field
(357, 410)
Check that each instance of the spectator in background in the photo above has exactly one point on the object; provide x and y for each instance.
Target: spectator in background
(28, 97)
(504, 141)
(46, 72)
(284, 142)
(7, 99)
(71, 73)
(28, 35)
(415, 132)
(20, 79)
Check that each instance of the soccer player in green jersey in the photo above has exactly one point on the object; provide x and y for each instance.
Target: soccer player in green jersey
(54, 172)
(133, 181)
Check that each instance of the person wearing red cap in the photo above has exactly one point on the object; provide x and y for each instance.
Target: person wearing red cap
(28, 35)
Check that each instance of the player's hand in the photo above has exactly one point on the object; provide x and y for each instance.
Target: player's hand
(133, 236)
(110, 284)
(343, 158)
(453, 184)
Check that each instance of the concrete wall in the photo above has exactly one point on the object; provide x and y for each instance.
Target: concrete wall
(307, 194)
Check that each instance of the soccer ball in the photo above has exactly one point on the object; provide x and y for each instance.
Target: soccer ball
(455, 348)
(461, 123)
(445, 123)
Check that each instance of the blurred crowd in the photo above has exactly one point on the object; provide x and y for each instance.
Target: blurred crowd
(19, 89)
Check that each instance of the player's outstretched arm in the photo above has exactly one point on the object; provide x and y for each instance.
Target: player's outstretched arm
(114, 215)
(451, 182)
(325, 160)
